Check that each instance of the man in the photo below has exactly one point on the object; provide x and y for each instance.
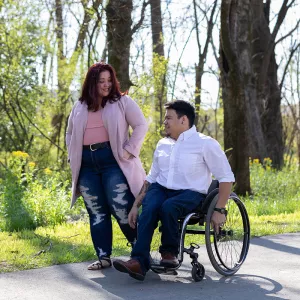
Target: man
(178, 181)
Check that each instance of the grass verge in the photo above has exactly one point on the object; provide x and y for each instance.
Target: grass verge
(71, 242)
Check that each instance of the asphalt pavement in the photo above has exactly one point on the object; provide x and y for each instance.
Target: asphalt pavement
(271, 271)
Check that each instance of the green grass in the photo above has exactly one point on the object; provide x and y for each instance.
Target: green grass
(275, 224)
(71, 242)
(46, 246)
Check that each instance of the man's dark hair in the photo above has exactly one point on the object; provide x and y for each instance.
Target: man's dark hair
(182, 108)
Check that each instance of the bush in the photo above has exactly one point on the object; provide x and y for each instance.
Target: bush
(274, 191)
(32, 197)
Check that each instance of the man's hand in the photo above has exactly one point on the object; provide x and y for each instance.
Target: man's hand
(217, 220)
(133, 214)
(132, 217)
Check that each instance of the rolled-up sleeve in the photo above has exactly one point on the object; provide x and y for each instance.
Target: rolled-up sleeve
(154, 170)
(217, 161)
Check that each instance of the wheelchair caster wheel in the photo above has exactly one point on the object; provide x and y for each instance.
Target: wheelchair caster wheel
(198, 272)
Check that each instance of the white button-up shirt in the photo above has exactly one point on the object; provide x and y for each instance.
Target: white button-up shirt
(189, 162)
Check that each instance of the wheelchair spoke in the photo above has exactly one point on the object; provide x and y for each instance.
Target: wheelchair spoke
(228, 249)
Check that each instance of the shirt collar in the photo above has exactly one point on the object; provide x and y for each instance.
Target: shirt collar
(187, 134)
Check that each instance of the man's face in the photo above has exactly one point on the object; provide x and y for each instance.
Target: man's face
(173, 124)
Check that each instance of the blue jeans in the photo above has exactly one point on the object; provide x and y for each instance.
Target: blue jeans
(168, 206)
(105, 192)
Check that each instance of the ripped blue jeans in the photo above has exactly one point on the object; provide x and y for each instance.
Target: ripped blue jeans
(105, 192)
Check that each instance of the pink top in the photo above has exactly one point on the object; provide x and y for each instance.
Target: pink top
(95, 131)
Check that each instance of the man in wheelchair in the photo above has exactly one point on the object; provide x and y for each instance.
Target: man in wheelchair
(177, 183)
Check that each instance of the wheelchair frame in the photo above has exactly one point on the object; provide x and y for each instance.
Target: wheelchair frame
(226, 250)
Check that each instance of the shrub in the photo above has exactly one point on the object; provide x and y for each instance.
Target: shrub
(274, 191)
(32, 197)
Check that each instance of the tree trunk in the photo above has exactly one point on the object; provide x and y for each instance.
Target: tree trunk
(199, 68)
(159, 64)
(251, 94)
(235, 59)
(236, 141)
(119, 37)
(272, 119)
(157, 28)
(266, 84)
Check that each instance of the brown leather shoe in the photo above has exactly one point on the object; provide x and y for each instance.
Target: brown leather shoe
(132, 267)
(169, 260)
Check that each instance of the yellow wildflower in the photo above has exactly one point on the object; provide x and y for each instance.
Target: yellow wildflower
(31, 164)
(256, 161)
(20, 154)
(268, 162)
(47, 171)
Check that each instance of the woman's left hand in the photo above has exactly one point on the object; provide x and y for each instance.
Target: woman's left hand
(126, 154)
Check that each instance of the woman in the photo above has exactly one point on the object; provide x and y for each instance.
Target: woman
(105, 164)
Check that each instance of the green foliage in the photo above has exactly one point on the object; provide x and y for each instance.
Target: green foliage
(32, 197)
(274, 192)
(144, 93)
(21, 98)
(28, 107)
(150, 141)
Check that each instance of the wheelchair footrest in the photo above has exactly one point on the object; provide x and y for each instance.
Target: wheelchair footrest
(164, 270)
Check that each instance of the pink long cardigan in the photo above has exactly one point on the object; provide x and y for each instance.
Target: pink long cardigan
(117, 117)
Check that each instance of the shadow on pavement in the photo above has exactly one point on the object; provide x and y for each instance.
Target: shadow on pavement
(182, 286)
(274, 245)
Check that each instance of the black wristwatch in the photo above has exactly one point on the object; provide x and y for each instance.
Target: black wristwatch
(221, 210)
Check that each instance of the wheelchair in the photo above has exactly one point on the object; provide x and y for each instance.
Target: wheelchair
(227, 250)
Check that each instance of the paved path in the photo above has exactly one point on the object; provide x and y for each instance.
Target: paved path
(271, 271)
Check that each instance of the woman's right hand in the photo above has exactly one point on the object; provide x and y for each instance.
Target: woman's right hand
(132, 216)
(126, 154)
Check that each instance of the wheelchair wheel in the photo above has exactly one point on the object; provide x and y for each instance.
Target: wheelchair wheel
(198, 272)
(228, 249)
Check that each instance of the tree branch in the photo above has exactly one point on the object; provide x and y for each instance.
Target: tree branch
(197, 30)
(99, 18)
(226, 42)
(288, 34)
(45, 136)
(281, 16)
(287, 64)
(210, 25)
(140, 22)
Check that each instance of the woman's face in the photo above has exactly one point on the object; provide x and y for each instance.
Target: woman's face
(104, 84)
